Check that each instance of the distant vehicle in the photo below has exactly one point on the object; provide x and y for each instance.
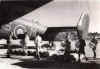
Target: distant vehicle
(3, 42)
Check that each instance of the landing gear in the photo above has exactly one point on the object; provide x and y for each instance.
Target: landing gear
(8, 54)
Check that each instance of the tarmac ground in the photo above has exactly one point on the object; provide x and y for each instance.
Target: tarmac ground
(28, 62)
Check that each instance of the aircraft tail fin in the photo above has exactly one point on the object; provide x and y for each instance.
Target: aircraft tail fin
(83, 24)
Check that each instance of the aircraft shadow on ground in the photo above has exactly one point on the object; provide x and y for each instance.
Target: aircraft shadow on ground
(56, 65)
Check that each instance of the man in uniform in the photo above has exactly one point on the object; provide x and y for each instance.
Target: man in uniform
(38, 41)
(93, 44)
(81, 46)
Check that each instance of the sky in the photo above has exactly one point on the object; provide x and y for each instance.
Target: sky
(95, 16)
(66, 13)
